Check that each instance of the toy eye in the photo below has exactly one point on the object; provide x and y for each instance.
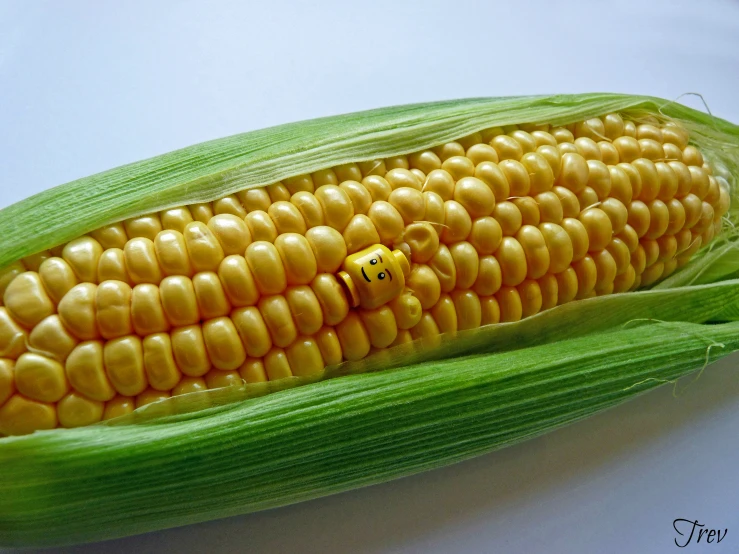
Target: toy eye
(373, 262)
(381, 276)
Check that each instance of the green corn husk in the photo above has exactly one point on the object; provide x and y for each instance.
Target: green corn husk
(433, 403)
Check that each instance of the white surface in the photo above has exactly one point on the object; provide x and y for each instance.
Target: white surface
(86, 86)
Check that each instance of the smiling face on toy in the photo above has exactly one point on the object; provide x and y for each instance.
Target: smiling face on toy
(374, 276)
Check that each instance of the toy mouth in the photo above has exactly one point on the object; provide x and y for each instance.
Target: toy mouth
(365, 276)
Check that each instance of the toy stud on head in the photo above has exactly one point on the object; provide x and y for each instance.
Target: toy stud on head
(374, 276)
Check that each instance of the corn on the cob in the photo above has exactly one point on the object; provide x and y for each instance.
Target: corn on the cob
(325, 267)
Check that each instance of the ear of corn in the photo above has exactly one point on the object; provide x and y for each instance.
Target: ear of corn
(418, 249)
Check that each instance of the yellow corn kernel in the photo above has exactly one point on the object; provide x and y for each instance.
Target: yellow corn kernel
(287, 218)
(445, 314)
(124, 365)
(441, 182)
(77, 311)
(387, 221)
(380, 326)
(528, 209)
(406, 309)
(238, 282)
(606, 268)
(26, 300)
(175, 219)
(222, 342)
(162, 372)
(507, 148)
(443, 266)
(279, 192)
(149, 396)
(329, 346)
(218, 379)
(33, 262)
(426, 161)
(203, 247)
(13, 337)
(587, 276)
(85, 370)
(305, 309)
(276, 364)
(486, 235)
(146, 226)
(329, 248)
(621, 255)
(425, 328)
(253, 200)
(457, 222)
(118, 406)
(229, 205)
(466, 264)
(82, 255)
(304, 357)
(211, 298)
(276, 313)
(57, 278)
(40, 378)
(49, 338)
(347, 172)
(309, 207)
(508, 217)
(337, 206)
(188, 385)
(446, 151)
(178, 300)
(434, 210)
(147, 311)
(588, 148)
(252, 371)
(113, 309)
(468, 309)
(535, 249)
(141, 261)
(171, 252)
(401, 177)
(112, 266)
(21, 416)
(297, 258)
(253, 331)
(509, 303)
(490, 310)
(7, 379)
(659, 219)
(531, 297)
(512, 260)
(75, 410)
(353, 337)
(266, 267)
(8, 274)
(424, 285)
(360, 233)
(358, 194)
(261, 226)
(550, 207)
(188, 347)
(111, 236)
(378, 187)
(409, 203)
(599, 228)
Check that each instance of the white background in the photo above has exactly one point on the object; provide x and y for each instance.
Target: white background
(86, 86)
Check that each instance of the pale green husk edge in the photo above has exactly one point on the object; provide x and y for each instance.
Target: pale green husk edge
(227, 452)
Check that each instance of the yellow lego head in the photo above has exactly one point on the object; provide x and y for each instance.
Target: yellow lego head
(374, 276)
